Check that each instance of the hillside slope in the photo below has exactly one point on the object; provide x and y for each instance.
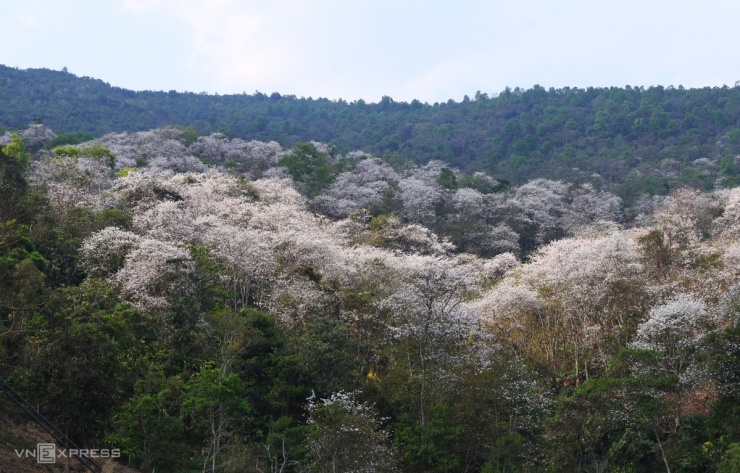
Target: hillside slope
(641, 140)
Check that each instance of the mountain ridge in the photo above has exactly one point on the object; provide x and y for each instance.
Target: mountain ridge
(650, 140)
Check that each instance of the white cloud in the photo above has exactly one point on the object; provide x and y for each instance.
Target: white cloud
(29, 19)
(426, 49)
(237, 45)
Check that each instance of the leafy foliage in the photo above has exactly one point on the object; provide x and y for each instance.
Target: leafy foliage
(644, 140)
(224, 305)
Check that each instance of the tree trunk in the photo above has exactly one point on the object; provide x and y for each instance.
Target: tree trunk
(662, 452)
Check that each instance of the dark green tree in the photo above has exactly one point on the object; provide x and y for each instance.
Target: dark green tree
(447, 179)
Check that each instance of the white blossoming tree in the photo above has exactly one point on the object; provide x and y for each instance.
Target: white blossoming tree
(675, 330)
(346, 436)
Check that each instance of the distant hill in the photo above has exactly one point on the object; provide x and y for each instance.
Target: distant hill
(637, 139)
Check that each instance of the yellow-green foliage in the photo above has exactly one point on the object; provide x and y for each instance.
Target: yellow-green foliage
(16, 149)
(96, 152)
(125, 171)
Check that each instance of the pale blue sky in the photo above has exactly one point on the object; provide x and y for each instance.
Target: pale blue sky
(431, 50)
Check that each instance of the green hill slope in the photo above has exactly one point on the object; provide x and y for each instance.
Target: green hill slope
(640, 140)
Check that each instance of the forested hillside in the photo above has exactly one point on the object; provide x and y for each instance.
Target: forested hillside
(216, 304)
(637, 139)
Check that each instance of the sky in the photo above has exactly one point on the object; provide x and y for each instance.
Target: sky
(429, 50)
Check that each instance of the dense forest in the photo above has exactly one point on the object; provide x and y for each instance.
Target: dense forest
(636, 139)
(207, 303)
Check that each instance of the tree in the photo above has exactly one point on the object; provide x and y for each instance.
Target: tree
(615, 421)
(325, 351)
(658, 252)
(37, 135)
(429, 321)
(728, 224)
(285, 446)
(346, 436)
(214, 403)
(419, 200)
(153, 273)
(16, 150)
(104, 253)
(686, 216)
(447, 179)
(148, 427)
(309, 167)
(572, 304)
(84, 354)
(536, 212)
(22, 267)
(675, 330)
(730, 460)
(368, 186)
(71, 181)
